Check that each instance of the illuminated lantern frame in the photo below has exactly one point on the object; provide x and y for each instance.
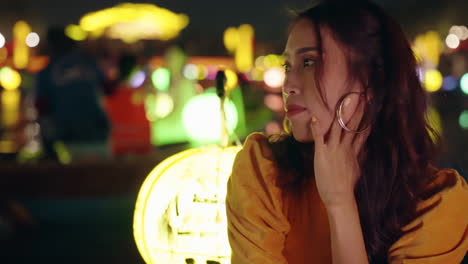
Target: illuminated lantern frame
(180, 211)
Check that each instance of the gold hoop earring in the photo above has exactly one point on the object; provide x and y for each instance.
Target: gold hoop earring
(340, 116)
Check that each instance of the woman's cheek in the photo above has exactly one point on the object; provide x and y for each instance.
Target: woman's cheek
(325, 121)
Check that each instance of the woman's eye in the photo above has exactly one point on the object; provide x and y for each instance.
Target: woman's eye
(286, 67)
(308, 62)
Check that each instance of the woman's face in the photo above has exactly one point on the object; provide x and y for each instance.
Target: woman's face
(300, 92)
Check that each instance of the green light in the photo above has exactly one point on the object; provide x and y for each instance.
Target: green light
(202, 118)
(463, 119)
(464, 83)
(161, 79)
(63, 154)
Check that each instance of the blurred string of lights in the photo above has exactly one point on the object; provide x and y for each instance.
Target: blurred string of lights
(130, 22)
(428, 49)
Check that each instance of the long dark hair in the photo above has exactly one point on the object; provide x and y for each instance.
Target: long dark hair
(396, 158)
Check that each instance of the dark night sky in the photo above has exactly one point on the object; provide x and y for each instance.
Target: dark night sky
(209, 18)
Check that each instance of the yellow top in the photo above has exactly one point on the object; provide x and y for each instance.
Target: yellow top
(265, 226)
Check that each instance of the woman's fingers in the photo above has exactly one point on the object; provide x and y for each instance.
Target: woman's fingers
(315, 129)
(334, 133)
(355, 124)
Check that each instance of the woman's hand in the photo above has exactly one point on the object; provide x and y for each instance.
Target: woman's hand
(335, 161)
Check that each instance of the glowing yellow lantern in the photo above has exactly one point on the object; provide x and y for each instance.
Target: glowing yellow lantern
(131, 22)
(21, 51)
(180, 210)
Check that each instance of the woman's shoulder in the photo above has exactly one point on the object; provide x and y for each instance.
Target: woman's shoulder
(447, 187)
(441, 228)
(258, 144)
(447, 204)
(255, 162)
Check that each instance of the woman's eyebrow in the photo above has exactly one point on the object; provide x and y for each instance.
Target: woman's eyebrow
(303, 50)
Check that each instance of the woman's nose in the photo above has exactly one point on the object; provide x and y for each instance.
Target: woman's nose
(291, 87)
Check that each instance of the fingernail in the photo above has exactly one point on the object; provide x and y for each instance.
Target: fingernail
(347, 101)
(314, 119)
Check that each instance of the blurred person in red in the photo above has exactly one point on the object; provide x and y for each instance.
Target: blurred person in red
(125, 105)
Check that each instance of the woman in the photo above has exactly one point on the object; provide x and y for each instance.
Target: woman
(351, 180)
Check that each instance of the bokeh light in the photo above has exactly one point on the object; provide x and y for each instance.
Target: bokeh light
(2, 40)
(10, 102)
(161, 79)
(427, 48)
(272, 60)
(463, 119)
(133, 21)
(164, 105)
(21, 29)
(274, 77)
(450, 83)
(452, 41)
(433, 80)
(244, 51)
(9, 78)
(460, 31)
(212, 70)
(190, 71)
(202, 117)
(202, 72)
(138, 79)
(231, 39)
(231, 80)
(257, 75)
(274, 102)
(260, 63)
(464, 83)
(75, 32)
(32, 39)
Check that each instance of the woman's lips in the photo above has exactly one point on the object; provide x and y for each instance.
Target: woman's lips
(293, 109)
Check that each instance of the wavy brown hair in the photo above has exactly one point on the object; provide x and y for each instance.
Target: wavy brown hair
(396, 158)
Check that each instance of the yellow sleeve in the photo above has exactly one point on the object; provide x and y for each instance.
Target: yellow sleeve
(256, 224)
(443, 236)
